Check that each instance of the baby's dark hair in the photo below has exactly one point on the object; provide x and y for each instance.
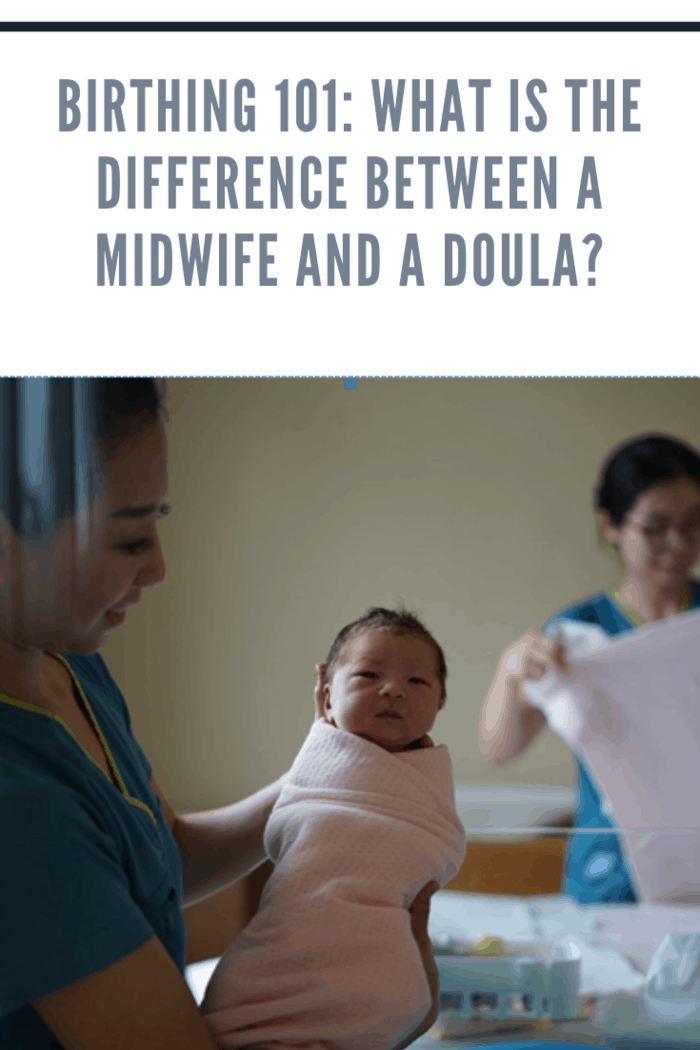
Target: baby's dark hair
(400, 621)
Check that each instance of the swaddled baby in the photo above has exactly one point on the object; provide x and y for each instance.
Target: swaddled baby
(365, 820)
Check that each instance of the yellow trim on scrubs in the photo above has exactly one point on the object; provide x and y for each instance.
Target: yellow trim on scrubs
(631, 614)
(23, 705)
(624, 608)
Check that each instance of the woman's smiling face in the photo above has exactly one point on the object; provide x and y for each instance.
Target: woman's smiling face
(68, 595)
(659, 537)
(385, 688)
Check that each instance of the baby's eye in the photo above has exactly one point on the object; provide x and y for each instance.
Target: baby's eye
(418, 681)
(368, 674)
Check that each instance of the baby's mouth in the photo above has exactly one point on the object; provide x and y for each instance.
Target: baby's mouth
(389, 714)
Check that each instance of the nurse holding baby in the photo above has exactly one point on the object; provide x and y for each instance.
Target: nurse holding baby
(95, 863)
(648, 507)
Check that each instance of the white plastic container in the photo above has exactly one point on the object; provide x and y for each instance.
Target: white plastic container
(513, 988)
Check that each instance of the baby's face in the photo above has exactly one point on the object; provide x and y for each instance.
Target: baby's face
(385, 688)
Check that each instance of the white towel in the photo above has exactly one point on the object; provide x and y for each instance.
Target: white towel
(329, 960)
(632, 712)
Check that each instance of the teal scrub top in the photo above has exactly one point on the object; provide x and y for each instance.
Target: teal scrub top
(90, 871)
(594, 870)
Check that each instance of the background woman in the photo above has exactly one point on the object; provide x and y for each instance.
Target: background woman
(96, 865)
(648, 506)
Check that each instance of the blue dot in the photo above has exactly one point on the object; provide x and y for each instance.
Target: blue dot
(350, 384)
(598, 865)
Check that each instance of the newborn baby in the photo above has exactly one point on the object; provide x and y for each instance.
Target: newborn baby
(365, 820)
(385, 684)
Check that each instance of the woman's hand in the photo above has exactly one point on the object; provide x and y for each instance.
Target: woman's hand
(508, 721)
(530, 658)
(420, 913)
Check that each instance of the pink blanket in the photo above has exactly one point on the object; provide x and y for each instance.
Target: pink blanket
(329, 960)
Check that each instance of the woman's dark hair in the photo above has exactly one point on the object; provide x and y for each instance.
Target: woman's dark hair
(56, 433)
(398, 620)
(639, 464)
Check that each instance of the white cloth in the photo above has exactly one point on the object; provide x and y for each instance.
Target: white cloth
(672, 985)
(666, 1012)
(329, 960)
(631, 710)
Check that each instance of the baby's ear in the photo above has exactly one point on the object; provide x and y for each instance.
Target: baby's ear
(328, 716)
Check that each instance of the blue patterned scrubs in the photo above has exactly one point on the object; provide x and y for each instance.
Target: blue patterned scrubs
(90, 871)
(594, 870)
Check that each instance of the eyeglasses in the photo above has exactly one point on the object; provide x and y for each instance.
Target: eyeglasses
(658, 535)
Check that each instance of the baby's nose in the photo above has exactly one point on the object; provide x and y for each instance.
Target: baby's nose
(393, 688)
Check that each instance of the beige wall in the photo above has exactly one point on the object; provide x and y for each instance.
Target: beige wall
(298, 503)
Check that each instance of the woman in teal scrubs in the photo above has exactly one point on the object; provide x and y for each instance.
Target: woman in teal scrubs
(648, 507)
(95, 864)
